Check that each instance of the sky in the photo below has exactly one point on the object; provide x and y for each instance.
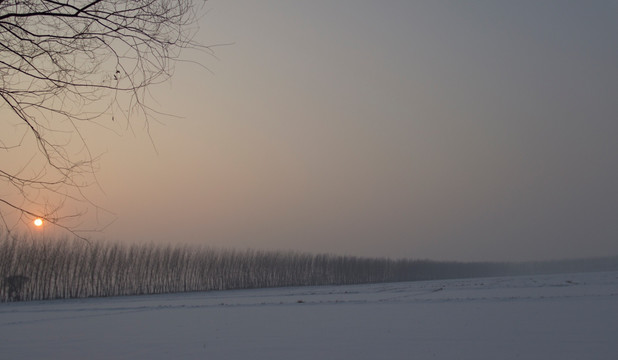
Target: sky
(445, 130)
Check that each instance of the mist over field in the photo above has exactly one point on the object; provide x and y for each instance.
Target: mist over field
(441, 130)
(476, 131)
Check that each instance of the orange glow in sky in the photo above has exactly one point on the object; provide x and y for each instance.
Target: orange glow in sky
(38, 222)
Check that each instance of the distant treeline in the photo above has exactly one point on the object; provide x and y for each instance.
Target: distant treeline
(37, 269)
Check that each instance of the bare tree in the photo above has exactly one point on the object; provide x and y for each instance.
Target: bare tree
(66, 68)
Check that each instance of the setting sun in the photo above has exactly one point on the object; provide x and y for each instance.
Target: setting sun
(38, 222)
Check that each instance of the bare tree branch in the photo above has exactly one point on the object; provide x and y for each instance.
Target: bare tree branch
(67, 64)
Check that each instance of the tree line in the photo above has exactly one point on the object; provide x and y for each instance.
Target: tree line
(41, 269)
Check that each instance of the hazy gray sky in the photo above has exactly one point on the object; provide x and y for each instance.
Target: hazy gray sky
(464, 130)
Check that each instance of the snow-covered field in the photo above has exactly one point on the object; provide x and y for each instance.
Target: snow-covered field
(567, 316)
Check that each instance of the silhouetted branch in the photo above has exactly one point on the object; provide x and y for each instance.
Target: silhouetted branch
(65, 64)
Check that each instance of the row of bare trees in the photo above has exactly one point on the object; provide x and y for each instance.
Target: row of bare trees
(37, 269)
(40, 269)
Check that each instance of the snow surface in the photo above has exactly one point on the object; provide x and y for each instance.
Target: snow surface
(567, 316)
